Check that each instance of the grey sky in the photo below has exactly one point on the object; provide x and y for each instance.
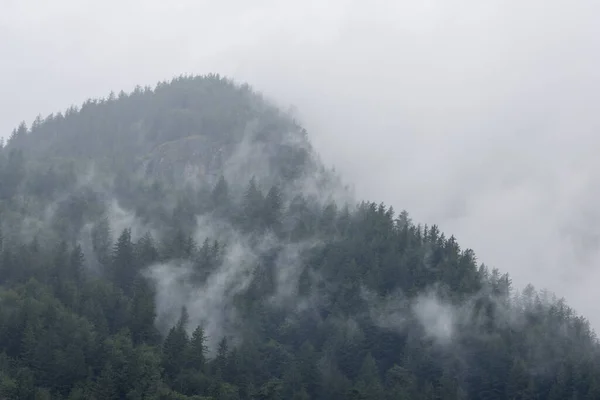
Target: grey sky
(480, 116)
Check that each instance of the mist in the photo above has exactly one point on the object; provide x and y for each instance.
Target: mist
(476, 116)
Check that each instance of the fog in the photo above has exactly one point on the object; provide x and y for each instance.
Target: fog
(477, 116)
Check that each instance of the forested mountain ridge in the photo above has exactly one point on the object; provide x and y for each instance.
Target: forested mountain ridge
(185, 242)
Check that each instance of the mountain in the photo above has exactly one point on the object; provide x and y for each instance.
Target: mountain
(187, 242)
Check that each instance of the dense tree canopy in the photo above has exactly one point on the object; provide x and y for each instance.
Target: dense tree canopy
(184, 242)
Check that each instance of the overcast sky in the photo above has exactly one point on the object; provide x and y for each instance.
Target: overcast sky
(480, 116)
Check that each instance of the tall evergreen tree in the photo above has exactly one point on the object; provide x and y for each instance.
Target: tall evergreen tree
(124, 268)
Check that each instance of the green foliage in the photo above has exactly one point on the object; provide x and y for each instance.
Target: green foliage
(329, 307)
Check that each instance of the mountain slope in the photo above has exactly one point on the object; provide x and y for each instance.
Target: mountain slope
(186, 242)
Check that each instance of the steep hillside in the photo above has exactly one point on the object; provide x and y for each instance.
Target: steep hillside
(156, 125)
(186, 242)
(137, 149)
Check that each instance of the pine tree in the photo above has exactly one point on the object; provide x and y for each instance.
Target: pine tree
(143, 312)
(220, 360)
(368, 382)
(220, 200)
(106, 384)
(144, 374)
(124, 268)
(517, 381)
(197, 349)
(252, 207)
(145, 251)
(400, 384)
(292, 381)
(77, 264)
(273, 209)
(175, 348)
(102, 242)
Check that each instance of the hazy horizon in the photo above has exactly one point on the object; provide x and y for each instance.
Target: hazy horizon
(476, 117)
